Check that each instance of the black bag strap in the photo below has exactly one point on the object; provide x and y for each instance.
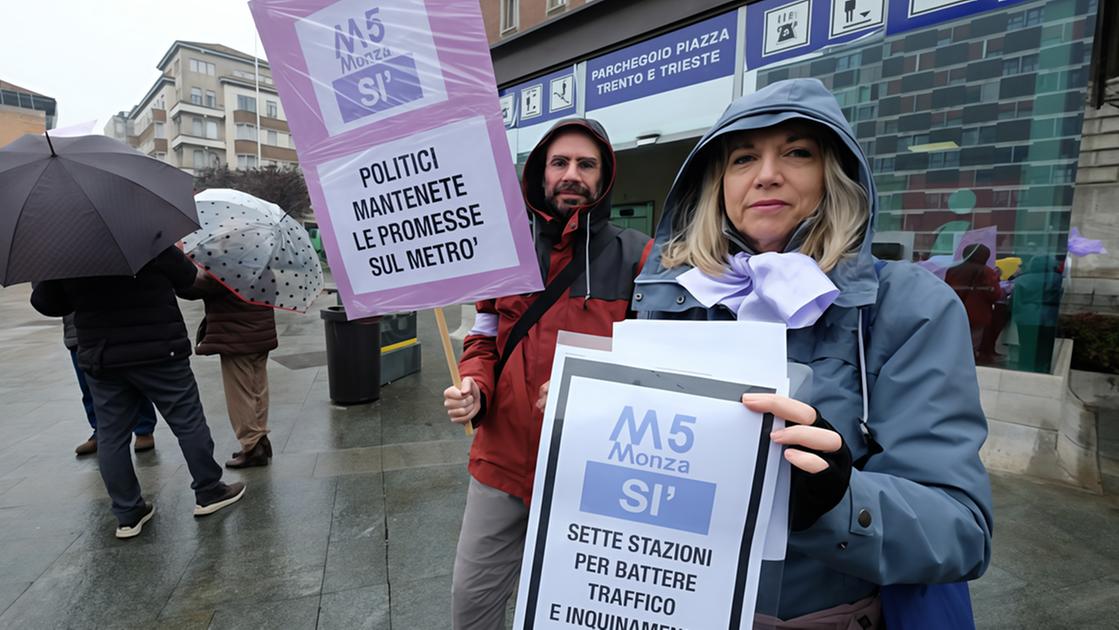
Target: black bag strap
(544, 301)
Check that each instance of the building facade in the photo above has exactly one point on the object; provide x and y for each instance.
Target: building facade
(207, 109)
(23, 111)
(971, 112)
(988, 124)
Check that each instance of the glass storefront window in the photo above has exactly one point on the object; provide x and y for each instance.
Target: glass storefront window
(975, 157)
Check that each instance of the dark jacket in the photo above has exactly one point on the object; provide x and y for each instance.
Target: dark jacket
(503, 455)
(69, 332)
(231, 325)
(124, 321)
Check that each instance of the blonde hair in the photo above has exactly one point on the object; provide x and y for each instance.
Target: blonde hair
(837, 225)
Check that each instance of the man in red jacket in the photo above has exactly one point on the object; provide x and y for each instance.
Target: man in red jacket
(567, 182)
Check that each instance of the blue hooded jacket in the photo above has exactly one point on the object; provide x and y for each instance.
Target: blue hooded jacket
(920, 511)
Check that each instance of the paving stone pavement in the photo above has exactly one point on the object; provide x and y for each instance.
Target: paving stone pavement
(355, 523)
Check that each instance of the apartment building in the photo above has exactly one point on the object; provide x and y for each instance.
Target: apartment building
(24, 111)
(508, 18)
(207, 109)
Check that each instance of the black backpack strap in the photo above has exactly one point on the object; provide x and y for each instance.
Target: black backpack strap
(551, 294)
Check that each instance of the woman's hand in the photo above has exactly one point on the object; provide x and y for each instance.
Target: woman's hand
(462, 403)
(821, 461)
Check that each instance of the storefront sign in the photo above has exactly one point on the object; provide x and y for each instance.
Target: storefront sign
(906, 15)
(777, 30)
(652, 499)
(395, 113)
(540, 100)
(694, 54)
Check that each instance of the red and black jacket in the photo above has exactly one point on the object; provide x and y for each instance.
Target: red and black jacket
(503, 455)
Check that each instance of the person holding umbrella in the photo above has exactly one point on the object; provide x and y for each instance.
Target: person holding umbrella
(254, 258)
(145, 424)
(93, 222)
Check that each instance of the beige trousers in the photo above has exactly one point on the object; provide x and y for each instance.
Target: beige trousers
(488, 558)
(245, 379)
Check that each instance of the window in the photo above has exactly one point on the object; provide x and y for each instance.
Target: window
(1033, 17)
(202, 67)
(196, 127)
(246, 103)
(1029, 63)
(246, 161)
(944, 159)
(160, 156)
(555, 4)
(246, 132)
(272, 109)
(1064, 173)
(273, 138)
(211, 99)
(196, 95)
(846, 62)
(1010, 66)
(199, 158)
(159, 131)
(508, 15)
(212, 129)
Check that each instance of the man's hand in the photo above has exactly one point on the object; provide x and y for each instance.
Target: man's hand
(542, 401)
(462, 403)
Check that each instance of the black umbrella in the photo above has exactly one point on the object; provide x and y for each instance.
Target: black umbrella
(86, 206)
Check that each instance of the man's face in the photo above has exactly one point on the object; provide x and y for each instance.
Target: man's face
(573, 172)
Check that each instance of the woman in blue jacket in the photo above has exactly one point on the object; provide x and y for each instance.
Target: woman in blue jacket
(770, 218)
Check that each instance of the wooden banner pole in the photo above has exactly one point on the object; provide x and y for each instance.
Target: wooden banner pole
(449, 352)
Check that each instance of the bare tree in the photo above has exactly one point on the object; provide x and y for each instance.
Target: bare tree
(284, 187)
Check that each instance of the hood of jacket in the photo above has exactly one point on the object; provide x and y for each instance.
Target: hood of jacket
(806, 99)
(597, 213)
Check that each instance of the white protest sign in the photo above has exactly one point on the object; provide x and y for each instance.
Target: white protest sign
(651, 500)
(418, 208)
(737, 351)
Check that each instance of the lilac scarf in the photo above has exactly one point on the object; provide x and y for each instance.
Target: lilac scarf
(786, 288)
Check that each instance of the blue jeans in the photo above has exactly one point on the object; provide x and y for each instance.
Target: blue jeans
(145, 425)
(118, 395)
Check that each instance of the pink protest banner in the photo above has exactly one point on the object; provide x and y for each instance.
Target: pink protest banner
(394, 110)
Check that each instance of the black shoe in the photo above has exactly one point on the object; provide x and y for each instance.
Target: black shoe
(267, 449)
(257, 456)
(130, 530)
(233, 493)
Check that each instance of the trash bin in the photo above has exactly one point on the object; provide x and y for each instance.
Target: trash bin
(353, 357)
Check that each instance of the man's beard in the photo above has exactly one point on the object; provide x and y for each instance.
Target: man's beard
(563, 209)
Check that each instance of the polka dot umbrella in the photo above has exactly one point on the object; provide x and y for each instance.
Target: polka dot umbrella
(256, 250)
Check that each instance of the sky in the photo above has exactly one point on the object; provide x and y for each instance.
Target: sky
(98, 57)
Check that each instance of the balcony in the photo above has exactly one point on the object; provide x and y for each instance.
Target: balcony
(199, 110)
(197, 141)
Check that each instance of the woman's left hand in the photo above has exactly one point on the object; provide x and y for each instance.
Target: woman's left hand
(821, 460)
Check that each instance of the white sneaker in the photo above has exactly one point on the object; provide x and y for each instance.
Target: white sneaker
(129, 531)
(233, 494)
